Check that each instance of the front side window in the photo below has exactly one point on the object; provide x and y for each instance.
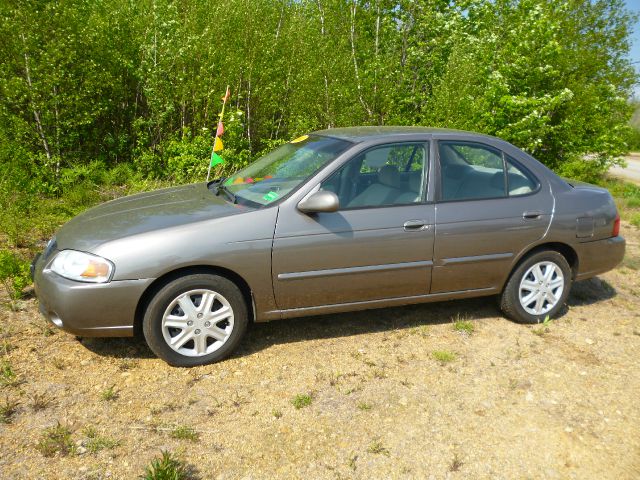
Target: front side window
(470, 171)
(284, 169)
(392, 174)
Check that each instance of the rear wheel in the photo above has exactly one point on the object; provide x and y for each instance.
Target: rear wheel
(538, 288)
(195, 320)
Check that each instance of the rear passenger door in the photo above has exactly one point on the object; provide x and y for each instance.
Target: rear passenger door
(489, 208)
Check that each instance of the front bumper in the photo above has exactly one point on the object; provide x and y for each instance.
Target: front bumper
(599, 256)
(88, 309)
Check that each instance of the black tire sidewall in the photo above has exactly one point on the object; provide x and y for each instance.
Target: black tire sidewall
(152, 320)
(510, 299)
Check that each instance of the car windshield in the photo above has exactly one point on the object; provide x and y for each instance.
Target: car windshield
(283, 170)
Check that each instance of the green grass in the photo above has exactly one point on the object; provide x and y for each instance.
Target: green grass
(166, 467)
(95, 442)
(277, 413)
(301, 400)
(56, 440)
(463, 326)
(444, 356)
(364, 406)
(184, 432)
(627, 198)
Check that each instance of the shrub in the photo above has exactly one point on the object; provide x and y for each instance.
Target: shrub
(14, 274)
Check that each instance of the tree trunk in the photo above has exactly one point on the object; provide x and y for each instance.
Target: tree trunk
(36, 114)
(353, 56)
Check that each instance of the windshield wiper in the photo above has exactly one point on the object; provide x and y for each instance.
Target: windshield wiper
(226, 191)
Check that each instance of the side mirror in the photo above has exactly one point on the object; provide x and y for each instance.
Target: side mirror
(322, 201)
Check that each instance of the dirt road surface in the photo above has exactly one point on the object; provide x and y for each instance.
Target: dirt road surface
(631, 172)
(504, 401)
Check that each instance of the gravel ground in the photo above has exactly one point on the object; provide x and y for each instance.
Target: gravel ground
(631, 172)
(396, 393)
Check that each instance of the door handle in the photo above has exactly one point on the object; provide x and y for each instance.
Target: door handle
(414, 225)
(532, 215)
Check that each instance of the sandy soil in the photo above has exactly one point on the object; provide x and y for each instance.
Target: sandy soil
(517, 401)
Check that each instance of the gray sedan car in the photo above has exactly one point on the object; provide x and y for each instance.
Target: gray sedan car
(338, 220)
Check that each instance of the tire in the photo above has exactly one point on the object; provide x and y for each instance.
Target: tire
(526, 300)
(201, 333)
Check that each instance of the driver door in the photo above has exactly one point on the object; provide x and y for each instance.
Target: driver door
(379, 245)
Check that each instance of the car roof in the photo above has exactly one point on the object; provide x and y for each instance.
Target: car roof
(361, 134)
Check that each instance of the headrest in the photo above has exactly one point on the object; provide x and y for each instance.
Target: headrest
(377, 158)
(389, 175)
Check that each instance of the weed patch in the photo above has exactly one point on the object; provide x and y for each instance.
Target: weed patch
(301, 400)
(56, 440)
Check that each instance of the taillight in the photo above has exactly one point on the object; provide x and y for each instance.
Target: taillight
(616, 226)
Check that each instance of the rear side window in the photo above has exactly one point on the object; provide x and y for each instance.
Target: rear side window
(470, 171)
(520, 181)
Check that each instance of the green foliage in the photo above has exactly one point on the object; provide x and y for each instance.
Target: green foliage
(14, 274)
(166, 467)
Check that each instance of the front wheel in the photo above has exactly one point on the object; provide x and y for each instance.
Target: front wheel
(538, 288)
(195, 320)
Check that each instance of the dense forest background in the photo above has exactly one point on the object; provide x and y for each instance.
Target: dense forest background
(97, 95)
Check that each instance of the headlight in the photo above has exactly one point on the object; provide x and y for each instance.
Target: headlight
(82, 267)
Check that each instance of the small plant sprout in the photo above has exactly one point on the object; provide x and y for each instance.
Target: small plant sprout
(301, 400)
(376, 447)
(456, 463)
(8, 409)
(166, 467)
(364, 406)
(110, 394)
(462, 325)
(277, 413)
(7, 375)
(543, 328)
(40, 401)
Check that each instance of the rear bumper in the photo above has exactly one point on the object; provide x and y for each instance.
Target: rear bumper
(88, 309)
(599, 256)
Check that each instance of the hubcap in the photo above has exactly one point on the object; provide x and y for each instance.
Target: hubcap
(197, 323)
(541, 288)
